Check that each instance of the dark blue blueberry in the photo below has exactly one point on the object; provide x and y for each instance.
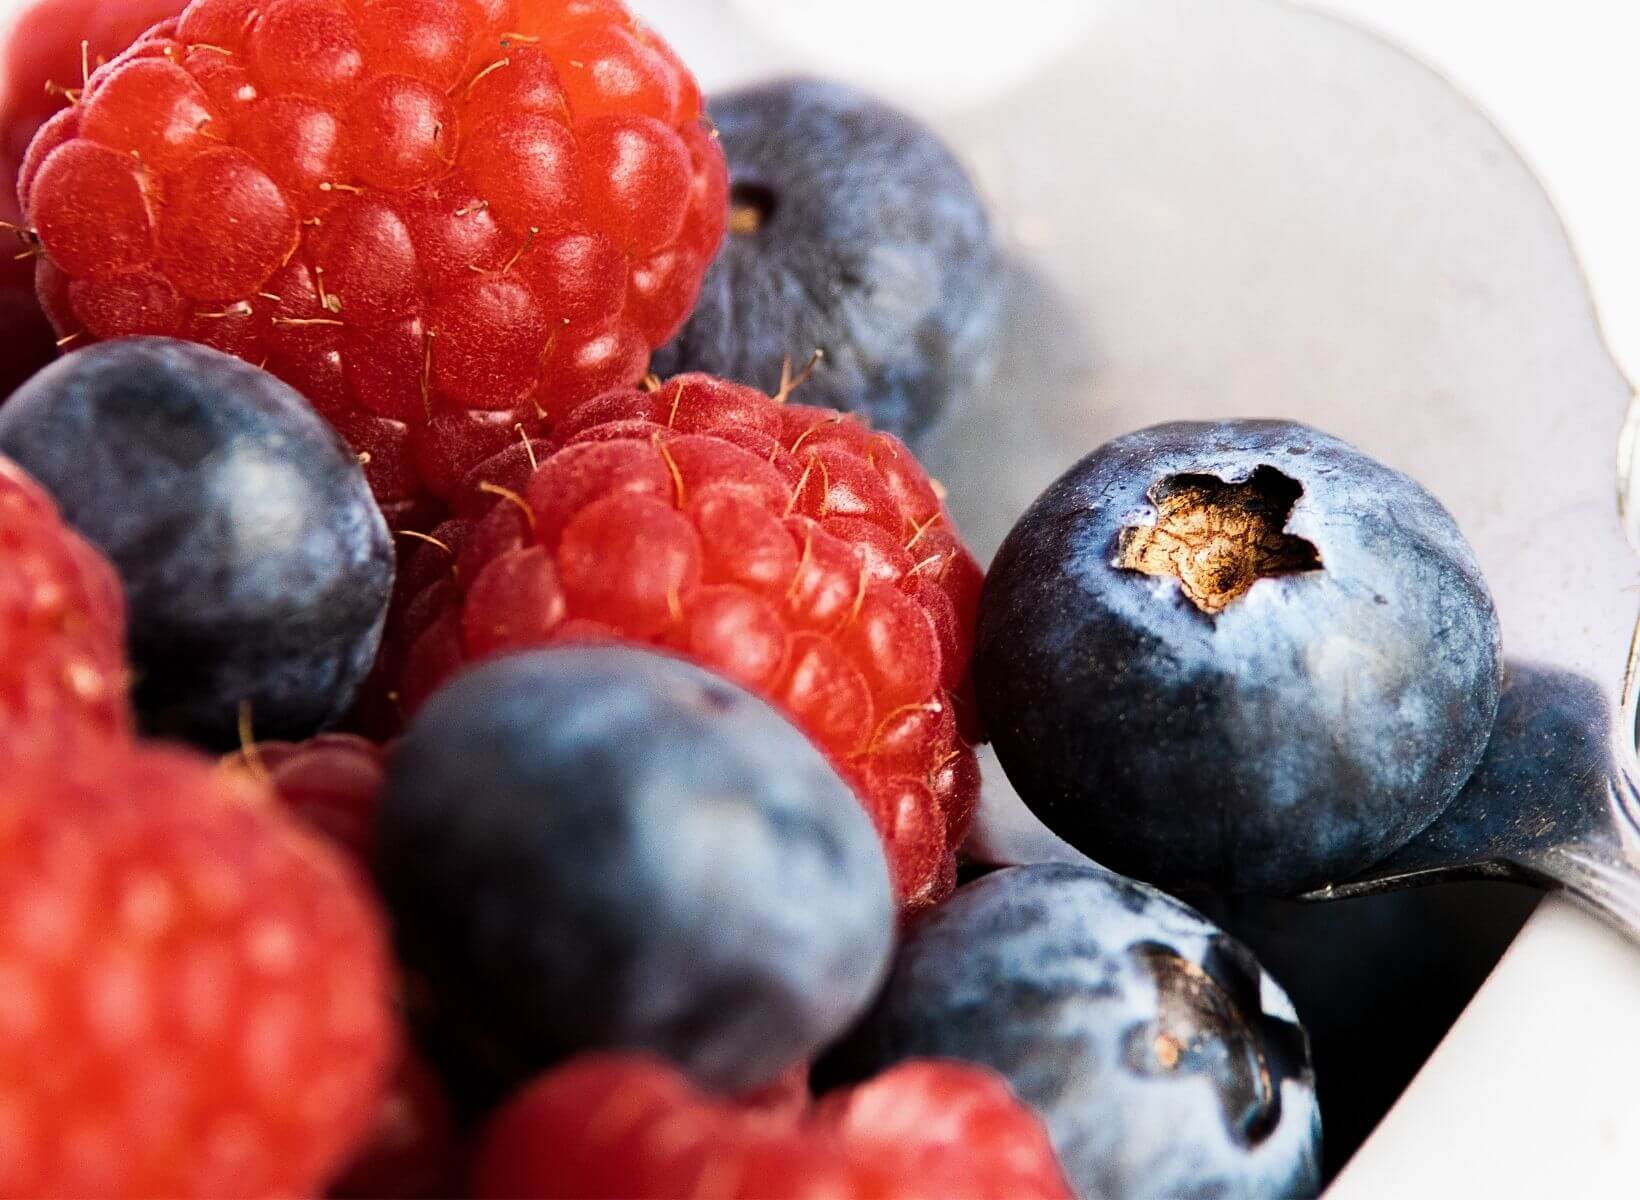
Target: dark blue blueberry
(853, 231)
(1237, 656)
(256, 565)
(604, 847)
(1164, 1061)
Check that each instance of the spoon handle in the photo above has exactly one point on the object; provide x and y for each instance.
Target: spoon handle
(1601, 872)
(1601, 882)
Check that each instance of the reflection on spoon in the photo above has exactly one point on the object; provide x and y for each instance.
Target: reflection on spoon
(1548, 805)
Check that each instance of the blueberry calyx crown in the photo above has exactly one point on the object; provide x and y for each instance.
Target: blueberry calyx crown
(751, 204)
(1218, 539)
(1209, 1021)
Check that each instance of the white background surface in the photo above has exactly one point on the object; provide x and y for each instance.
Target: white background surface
(1558, 76)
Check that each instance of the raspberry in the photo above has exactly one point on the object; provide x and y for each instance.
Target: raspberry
(414, 1150)
(790, 549)
(195, 992)
(332, 782)
(440, 220)
(42, 68)
(613, 1126)
(62, 626)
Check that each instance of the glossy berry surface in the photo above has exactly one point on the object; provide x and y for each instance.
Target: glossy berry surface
(196, 991)
(628, 1128)
(603, 847)
(62, 627)
(1237, 656)
(1164, 1061)
(790, 549)
(853, 231)
(42, 69)
(332, 782)
(255, 563)
(439, 220)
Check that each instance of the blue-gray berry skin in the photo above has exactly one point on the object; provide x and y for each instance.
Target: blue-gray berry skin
(854, 232)
(1237, 656)
(607, 848)
(1164, 1061)
(256, 564)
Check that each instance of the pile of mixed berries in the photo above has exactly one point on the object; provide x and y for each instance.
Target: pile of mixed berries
(601, 747)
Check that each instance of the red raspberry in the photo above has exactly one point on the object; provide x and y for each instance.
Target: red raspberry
(415, 1150)
(438, 219)
(52, 48)
(42, 68)
(789, 548)
(62, 626)
(332, 782)
(629, 1127)
(194, 993)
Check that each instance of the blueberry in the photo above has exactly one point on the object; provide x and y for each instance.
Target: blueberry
(1164, 1061)
(1236, 656)
(256, 565)
(854, 231)
(607, 848)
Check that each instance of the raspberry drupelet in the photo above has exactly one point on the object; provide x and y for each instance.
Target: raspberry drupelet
(440, 220)
(788, 548)
(332, 782)
(62, 627)
(196, 996)
(51, 49)
(624, 1126)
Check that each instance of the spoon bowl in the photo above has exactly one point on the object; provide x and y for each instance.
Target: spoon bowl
(1252, 209)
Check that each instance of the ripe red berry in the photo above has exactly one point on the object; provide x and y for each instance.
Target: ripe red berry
(42, 68)
(440, 220)
(790, 549)
(414, 1150)
(62, 627)
(195, 996)
(332, 782)
(634, 1128)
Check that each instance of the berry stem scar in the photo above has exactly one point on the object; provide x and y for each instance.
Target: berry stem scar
(1218, 539)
